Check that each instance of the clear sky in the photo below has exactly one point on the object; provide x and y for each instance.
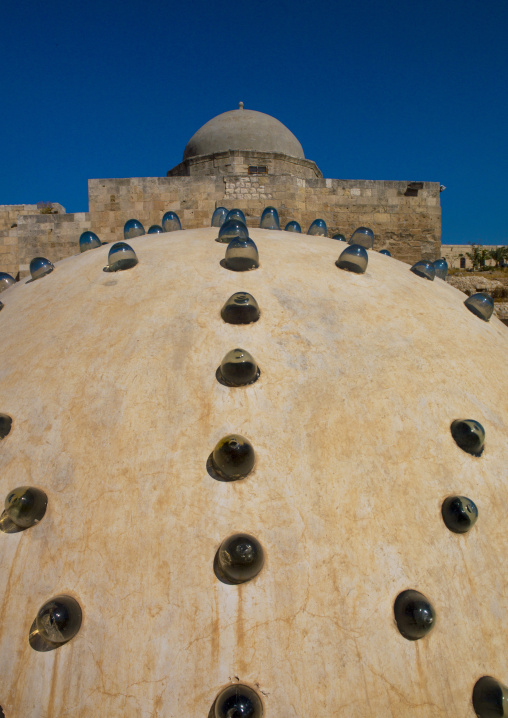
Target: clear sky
(395, 90)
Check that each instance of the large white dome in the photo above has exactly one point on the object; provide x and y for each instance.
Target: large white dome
(110, 380)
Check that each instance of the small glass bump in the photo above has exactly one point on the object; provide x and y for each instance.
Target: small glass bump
(293, 227)
(233, 458)
(171, 222)
(340, 237)
(25, 506)
(155, 229)
(239, 559)
(459, 514)
(441, 268)
(318, 228)
(241, 308)
(363, 236)
(414, 615)
(385, 251)
(241, 255)
(59, 619)
(1, 306)
(88, 240)
(424, 269)
(481, 305)
(269, 219)
(230, 229)
(238, 701)
(133, 228)
(121, 256)
(39, 267)
(219, 217)
(6, 281)
(236, 214)
(238, 368)
(353, 259)
(490, 698)
(469, 435)
(5, 425)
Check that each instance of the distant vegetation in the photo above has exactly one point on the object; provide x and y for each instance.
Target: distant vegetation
(46, 208)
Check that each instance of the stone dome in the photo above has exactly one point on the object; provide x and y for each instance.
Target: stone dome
(243, 130)
(110, 380)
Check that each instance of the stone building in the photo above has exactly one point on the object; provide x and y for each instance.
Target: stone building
(241, 158)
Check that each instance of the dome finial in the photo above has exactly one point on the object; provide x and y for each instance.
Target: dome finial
(240, 105)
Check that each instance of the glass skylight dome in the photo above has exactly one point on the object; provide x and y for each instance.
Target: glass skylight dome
(241, 255)
(155, 229)
(363, 236)
(39, 267)
(269, 219)
(441, 268)
(236, 214)
(318, 228)
(424, 269)
(293, 226)
(480, 304)
(133, 228)
(354, 259)
(171, 222)
(219, 217)
(6, 281)
(88, 240)
(230, 229)
(121, 256)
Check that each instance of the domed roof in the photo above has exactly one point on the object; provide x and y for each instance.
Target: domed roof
(243, 130)
(110, 381)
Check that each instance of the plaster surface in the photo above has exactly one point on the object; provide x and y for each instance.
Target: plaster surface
(110, 381)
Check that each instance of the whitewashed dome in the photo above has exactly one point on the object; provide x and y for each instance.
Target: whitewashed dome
(110, 380)
(243, 130)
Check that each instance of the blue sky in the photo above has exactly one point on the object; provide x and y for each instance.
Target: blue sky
(394, 90)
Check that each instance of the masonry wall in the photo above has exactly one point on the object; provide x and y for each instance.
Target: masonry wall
(409, 226)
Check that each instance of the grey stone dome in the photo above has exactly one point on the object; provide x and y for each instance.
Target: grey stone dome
(243, 130)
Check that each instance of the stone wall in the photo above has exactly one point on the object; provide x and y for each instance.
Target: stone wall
(408, 225)
(9, 213)
(54, 236)
(405, 219)
(453, 253)
(237, 162)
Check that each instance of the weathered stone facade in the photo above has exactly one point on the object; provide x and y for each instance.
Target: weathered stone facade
(409, 226)
(254, 172)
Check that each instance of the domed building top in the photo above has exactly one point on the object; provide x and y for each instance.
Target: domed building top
(243, 130)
